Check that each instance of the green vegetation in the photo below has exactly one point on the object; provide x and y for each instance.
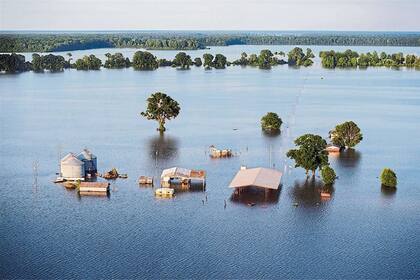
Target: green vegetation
(310, 153)
(116, 60)
(13, 63)
(328, 175)
(346, 135)
(88, 62)
(144, 61)
(264, 60)
(161, 107)
(198, 62)
(182, 60)
(219, 61)
(50, 62)
(297, 57)
(208, 60)
(43, 42)
(388, 178)
(349, 58)
(271, 122)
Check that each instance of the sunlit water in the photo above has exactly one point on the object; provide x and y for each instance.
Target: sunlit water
(364, 231)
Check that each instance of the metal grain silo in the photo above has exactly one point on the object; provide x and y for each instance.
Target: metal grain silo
(89, 161)
(72, 168)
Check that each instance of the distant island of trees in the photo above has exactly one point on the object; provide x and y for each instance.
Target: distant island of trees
(144, 60)
(65, 41)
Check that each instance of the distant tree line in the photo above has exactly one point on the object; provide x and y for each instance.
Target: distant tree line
(349, 58)
(144, 60)
(49, 42)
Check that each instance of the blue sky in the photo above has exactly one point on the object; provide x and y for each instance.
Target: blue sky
(369, 15)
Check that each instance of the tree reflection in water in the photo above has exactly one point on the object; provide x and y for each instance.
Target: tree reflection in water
(163, 148)
(349, 158)
(308, 193)
(388, 192)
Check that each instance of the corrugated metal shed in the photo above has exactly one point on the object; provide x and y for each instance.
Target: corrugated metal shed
(257, 177)
(89, 160)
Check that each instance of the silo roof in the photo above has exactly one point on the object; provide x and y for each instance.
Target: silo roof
(86, 155)
(71, 159)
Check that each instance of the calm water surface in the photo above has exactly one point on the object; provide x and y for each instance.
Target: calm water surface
(362, 232)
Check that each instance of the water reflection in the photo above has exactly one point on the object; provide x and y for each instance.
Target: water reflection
(163, 148)
(388, 192)
(271, 134)
(349, 158)
(308, 193)
(254, 196)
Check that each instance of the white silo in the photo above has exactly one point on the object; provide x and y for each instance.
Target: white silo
(72, 168)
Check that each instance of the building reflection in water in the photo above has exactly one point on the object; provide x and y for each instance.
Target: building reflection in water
(255, 196)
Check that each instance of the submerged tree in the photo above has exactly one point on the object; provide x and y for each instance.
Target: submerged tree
(328, 175)
(208, 60)
(310, 153)
(88, 62)
(388, 178)
(198, 62)
(182, 60)
(144, 61)
(219, 61)
(161, 107)
(271, 122)
(346, 135)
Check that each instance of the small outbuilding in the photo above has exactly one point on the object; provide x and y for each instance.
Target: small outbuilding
(261, 178)
(185, 176)
(71, 168)
(89, 161)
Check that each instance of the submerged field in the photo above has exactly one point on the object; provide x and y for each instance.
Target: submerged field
(362, 232)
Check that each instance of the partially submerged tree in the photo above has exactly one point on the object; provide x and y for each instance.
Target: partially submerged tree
(328, 175)
(182, 60)
(161, 107)
(271, 122)
(346, 135)
(144, 61)
(310, 153)
(198, 62)
(388, 178)
(208, 60)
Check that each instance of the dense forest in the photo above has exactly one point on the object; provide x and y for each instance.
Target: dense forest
(144, 60)
(49, 42)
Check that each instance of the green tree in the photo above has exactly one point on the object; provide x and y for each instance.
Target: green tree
(219, 61)
(297, 57)
(328, 175)
(161, 107)
(182, 60)
(116, 60)
(266, 59)
(88, 62)
(271, 122)
(37, 63)
(144, 61)
(388, 178)
(310, 153)
(346, 135)
(208, 60)
(198, 62)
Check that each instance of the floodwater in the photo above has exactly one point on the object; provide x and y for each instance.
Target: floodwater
(363, 231)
